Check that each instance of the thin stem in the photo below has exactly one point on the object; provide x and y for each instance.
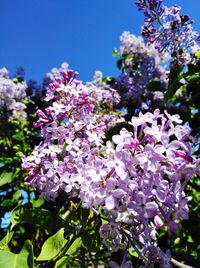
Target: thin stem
(179, 264)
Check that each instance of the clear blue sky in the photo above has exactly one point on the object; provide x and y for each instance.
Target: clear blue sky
(41, 34)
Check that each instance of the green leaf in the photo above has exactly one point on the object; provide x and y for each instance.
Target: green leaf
(40, 217)
(193, 77)
(23, 259)
(18, 136)
(11, 199)
(16, 195)
(129, 56)
(6, 160)
(4, 242)
(197, 54)
(37, 203)
(6, 177)
(76, 244)
(52, 246)
(115, 53)
(62, 262)
(174, 82)
(107, 79)
(6, 203)
(174, 73)
(172, 90)
(133, 252)
(119, 64)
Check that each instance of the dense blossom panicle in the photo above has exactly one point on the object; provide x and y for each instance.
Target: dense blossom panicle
(141, 183)
(73, 129)
(169, 30)
(142, 64)
(137, 178)
(12, 95)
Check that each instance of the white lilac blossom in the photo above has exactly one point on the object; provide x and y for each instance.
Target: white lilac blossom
(12, 95)
(169, 30)
(98, 75)
(4, 72)
(137, 179)
(130, 44)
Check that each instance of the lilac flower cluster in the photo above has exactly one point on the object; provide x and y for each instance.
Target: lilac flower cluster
(137, 179)
(169, 30)
(73, 128)
(12, 96)
(140, 182)
(142, 65)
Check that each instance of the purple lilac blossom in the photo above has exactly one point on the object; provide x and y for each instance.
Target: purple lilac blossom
(73, 128)
(169, 30)
(137, 179)
(143, 66)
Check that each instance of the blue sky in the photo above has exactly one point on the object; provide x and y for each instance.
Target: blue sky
(41, 34)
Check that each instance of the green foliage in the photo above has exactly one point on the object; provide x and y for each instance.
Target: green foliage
(62, 262)
(8, 177)
(116, 53)
(174, 82)
(4, 242)
(197, 54)
(23, 259)
(42, 218)
(74, 246)
(52, 246)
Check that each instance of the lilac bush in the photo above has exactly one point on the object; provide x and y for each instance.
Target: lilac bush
(113, 163)
(136, 179)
